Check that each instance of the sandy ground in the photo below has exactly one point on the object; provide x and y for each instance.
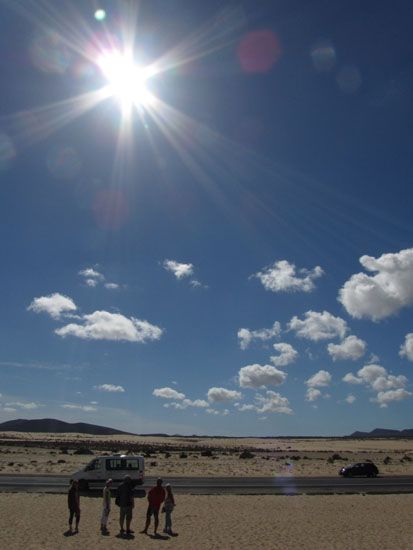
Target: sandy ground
(38, 521)
(300, 457)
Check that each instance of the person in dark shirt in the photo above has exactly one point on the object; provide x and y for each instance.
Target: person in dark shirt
(73, 503)
(126, 504)
(156, 496)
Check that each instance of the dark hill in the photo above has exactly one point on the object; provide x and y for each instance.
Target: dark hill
(50, 425)
(382, 432)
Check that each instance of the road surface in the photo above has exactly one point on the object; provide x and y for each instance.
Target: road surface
(228, 485)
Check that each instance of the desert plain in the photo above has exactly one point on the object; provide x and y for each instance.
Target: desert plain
(33, 453)
(32, 521)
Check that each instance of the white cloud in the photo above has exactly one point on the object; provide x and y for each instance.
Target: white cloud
(103, 325)
(185, 403)
(246, 336)
(386, 397)
(9, 409)
(318, 326)
(26, 406)
(370, 373)
(220, 395)
(351, 379)
(55, 305)
(389, 387)
(110, 388)
(245, 407)
(282, 276)
(91, 274)
(212, 411)
(383, 294)
(168, 393)
(389, 382)
(406, 350)
(320, 379)
(350, 348)
(112, 286)
(85, 408)
(312, 394)
(350, 399)
(91, 282)
(272, 402)
(180, 270)
(287, 355)
(258, 376)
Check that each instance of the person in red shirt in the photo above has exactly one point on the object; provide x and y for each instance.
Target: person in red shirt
(156, 496)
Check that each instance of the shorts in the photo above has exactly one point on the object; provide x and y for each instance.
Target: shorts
(152, 510)
(125, 513)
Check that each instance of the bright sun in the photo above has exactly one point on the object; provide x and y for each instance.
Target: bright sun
(127, 81)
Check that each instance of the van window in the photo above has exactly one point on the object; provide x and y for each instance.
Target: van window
(94, 465)
(122, 464)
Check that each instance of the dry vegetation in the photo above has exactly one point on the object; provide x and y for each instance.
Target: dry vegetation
(192, 456)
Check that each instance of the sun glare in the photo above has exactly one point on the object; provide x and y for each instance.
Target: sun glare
(127, 81)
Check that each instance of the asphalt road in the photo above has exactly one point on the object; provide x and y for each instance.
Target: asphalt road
(228, 485)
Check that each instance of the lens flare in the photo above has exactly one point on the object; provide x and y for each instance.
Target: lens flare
(127, 81)
(100, 15)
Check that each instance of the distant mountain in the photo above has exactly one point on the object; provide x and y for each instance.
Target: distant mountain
(382, 432)
(51, 425)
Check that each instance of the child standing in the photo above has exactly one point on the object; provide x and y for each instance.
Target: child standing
(169, 505)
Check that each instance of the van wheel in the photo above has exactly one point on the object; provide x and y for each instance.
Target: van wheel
(83, 485)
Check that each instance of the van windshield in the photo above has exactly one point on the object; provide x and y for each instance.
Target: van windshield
(122, 464)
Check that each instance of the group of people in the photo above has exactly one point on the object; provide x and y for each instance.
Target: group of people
(159, 499)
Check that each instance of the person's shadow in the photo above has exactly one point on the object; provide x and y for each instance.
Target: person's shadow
(127, 536)
(158, 536)
(69, 533)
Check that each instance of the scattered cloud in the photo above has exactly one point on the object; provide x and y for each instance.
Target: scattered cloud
(54, 305)
(350, 348)
(112, 286)
(259, 376)
(90, 273)
(110, 388)
(351, 379)
(168, 393)
(21, 405)
(386, 397)
(85, 408)
(388, 386)
(318, 326)
(220, 395)
(272, 402)
(312, 394)
(286, 355)
(180, 270)
(103, 325)
(350, 399)
(282, 276)
(320, 379)
(185, 403)
(246, 336)
(383, 294)
(406, 350)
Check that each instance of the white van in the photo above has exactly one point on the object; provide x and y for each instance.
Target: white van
(115, 467)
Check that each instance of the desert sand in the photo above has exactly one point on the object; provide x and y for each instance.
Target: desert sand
(180, 456)
(38, 521)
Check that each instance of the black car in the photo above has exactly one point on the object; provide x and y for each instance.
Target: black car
(367, 469)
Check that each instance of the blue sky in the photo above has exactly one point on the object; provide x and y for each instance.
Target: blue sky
(206, 215)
